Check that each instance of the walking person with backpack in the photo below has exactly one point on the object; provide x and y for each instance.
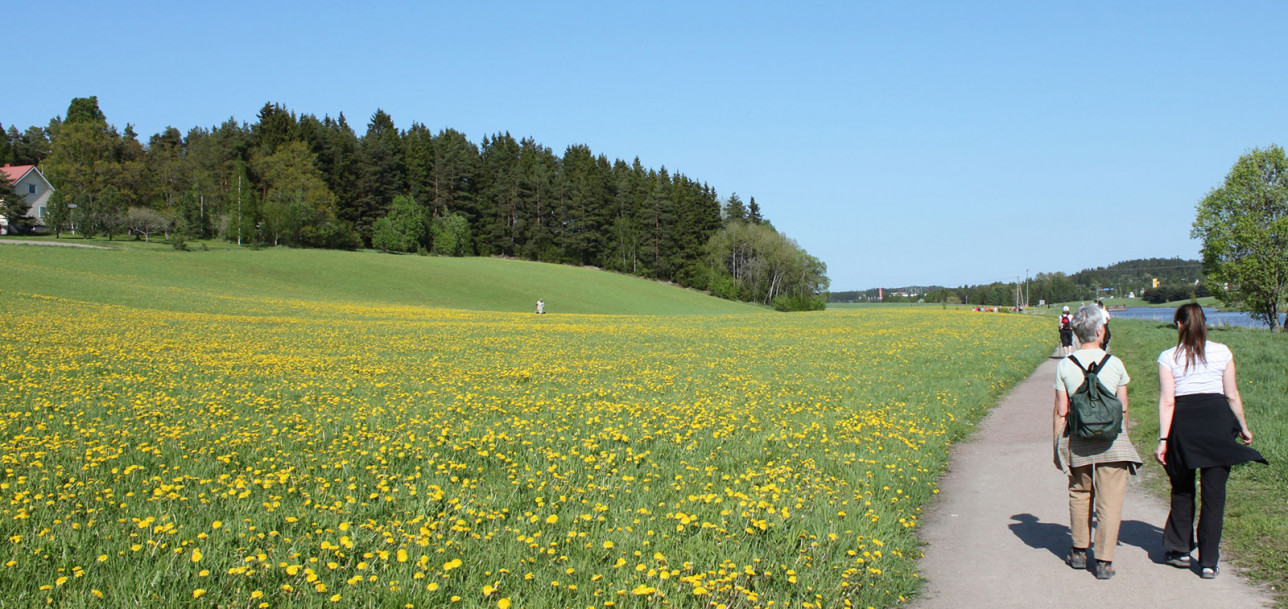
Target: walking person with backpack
(1201, 427)
(1066, 332)
(1089, 438)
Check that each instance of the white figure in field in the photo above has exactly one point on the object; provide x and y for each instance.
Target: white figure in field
(541, 306)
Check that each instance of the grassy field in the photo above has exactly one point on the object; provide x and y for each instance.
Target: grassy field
(156, 276)
(175, 431)
(1257, 508)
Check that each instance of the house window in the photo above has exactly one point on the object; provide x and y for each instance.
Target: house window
(42, 212)
(31, 189)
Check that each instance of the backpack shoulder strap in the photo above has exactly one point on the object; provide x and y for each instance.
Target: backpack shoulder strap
(1078, 364)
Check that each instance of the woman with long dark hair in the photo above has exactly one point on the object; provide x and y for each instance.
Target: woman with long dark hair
(1200, 415)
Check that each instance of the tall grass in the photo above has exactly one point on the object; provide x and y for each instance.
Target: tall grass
(1256, 520)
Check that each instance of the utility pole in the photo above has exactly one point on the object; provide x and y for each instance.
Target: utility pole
(1026, 288)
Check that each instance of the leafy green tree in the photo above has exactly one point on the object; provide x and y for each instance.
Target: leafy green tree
(83, 156)
(110, 211)
(14, 207)
(86, 217)
(133, 179)
(58, 215)
(30, 147)
(298, 208)
(1244, 229)
(754, 262)
(402, 229)
(451, 235)
(169, 168)
(143, 221)
(85, 110)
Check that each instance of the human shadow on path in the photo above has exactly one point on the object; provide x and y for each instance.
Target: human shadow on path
(1054, 538)
(1041, 535)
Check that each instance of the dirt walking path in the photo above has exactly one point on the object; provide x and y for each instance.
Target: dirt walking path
(999, 531)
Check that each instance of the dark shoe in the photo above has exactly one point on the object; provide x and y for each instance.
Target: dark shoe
(1209, 572)
(1104, 569)
(1077, 558)
(1179, 560)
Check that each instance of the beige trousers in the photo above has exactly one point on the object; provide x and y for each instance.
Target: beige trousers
(1103, 485)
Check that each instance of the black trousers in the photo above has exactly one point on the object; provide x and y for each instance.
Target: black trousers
(1178, 534)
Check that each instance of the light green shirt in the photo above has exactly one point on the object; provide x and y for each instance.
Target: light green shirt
(1068, 377)
(1079, 452)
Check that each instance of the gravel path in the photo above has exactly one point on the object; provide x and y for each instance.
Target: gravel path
(54, 243)
(998, 533)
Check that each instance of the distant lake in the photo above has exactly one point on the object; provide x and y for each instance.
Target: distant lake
(1214, 317)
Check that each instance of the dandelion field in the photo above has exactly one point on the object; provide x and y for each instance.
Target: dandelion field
(298, 453)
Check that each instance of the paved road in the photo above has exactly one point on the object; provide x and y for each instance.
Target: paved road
(998, 533)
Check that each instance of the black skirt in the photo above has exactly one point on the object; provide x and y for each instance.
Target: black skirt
(1206, 434)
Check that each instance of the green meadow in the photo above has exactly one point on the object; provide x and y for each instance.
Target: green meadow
(156, 276)
(287, 428)
(297, 428)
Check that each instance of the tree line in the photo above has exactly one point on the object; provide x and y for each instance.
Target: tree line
(300, 181)
(1177, 279)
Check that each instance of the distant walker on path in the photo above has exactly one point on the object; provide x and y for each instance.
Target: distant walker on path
(1066, 332)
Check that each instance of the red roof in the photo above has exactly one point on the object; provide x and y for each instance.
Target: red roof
(15, 172)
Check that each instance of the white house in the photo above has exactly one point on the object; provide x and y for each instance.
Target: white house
(32, 185)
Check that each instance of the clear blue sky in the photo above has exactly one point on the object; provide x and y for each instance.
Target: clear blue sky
(900, 142)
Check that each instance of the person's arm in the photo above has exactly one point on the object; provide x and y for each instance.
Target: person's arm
(1059, 416)
(1122, 397)
(1166, 408)
(1236, 403)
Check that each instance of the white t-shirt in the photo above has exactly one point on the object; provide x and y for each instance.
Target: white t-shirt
(1202, 377)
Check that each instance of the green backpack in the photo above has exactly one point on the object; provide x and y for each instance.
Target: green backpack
(1094, 411)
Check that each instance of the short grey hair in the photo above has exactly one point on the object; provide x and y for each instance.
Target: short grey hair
(1086, 321)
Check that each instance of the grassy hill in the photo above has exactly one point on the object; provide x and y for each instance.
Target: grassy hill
(228, 279)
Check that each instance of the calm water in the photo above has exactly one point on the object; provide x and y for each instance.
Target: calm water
(1214, 317)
